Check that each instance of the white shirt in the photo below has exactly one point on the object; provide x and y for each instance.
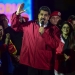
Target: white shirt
(44, 25)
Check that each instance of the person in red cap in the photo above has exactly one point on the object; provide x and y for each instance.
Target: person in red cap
(55, 19)
(71, 20)
(39, 42)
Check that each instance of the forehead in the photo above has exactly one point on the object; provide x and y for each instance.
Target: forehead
(43, 12)
(55, 17)
(65, 25)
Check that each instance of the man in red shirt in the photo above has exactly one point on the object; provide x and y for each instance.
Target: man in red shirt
(39, 42)
(55, 19)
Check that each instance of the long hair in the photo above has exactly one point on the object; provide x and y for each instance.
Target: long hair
(45, 8)
(2, 16)
(65, 22)
(2, 24)
(71, 35)
(72, 41)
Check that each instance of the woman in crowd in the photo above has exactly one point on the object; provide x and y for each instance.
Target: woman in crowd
(64, 61)
(6, 48)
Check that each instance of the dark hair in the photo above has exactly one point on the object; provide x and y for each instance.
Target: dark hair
(2, 16)
(59, 23)
(2, 24)
(65, 22)
(45, 8)
(71, 36)
(4, 36)
(72, 17)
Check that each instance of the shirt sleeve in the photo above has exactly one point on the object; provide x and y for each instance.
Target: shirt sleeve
(15, 23)
(12, 48)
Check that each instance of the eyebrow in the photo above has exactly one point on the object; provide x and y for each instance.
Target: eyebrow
(68, 27)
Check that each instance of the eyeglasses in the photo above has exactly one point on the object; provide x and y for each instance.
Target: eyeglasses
(66, 27)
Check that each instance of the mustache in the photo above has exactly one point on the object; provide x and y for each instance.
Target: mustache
(42, 19)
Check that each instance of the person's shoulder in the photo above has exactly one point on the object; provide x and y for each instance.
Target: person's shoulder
(50, 25)
(32, 21)
(55, 27)
(9, 30)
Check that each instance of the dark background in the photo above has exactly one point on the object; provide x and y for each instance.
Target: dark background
(66, 7)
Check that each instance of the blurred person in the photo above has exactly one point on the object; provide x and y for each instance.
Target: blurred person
(16, 38)
(64, 62)
(71, 20)
(59, 23)
(55, 19)
(39, 42)
(19, 68)
(6, 49)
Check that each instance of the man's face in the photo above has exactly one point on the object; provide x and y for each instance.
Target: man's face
(54, 20)
(1, 31)
(43, 16)
(5, 21)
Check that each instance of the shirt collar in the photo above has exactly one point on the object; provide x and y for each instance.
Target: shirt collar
(45, 25)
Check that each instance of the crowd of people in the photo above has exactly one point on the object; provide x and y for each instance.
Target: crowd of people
(45, 46)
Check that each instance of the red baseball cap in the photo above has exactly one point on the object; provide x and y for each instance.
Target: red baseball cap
(55, 13)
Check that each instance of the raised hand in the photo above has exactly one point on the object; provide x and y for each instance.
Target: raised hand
(66, 57)
(20, 9)
(7, 38)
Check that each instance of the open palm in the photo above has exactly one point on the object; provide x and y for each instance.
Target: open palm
(20, 9)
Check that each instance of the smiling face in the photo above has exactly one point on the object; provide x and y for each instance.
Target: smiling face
(43, 16)
(65, 29)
